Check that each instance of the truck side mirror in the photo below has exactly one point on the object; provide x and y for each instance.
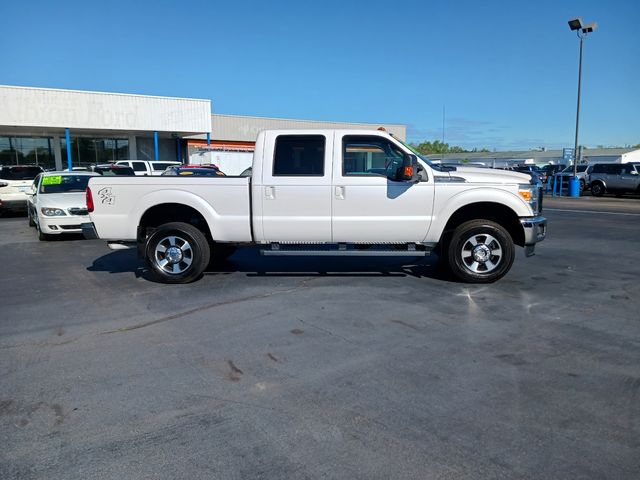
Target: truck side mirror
(408, 172)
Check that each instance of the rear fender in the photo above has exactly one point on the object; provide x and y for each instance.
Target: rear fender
(182, 197)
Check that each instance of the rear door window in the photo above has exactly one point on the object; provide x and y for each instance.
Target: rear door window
(299, 156)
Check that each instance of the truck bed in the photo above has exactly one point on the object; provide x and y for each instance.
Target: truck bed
(120, 202)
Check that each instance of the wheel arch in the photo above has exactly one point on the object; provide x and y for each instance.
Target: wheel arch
(153, 210)
(493, 211)
(169, 212)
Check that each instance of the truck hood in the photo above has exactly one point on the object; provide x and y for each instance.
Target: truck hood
(487, 175)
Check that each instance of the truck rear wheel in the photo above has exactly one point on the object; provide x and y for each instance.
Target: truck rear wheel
(480, 251)
(177, 253)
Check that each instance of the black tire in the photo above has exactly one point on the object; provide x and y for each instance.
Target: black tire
(597, 189)
(479, 251)
(43, 237)
(190, 251)
(32, 223)
(583, 186)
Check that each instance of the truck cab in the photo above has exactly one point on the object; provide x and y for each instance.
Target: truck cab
(338, 187)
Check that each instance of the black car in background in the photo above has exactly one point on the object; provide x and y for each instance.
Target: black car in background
(536, 172)
(191, 171)
(551, 170)
(113, 170)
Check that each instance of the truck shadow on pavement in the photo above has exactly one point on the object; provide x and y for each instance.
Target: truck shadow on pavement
(249, 261)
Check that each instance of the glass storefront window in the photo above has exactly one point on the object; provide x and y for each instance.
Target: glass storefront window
(92, 151)
(27, 151)
(167, 149)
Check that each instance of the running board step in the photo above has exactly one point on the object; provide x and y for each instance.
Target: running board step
(276, 250)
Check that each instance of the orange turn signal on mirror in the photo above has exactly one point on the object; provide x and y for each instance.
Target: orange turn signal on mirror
(526, 194)
(408, 171)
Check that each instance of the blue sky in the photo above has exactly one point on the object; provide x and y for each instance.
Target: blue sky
(506, 71)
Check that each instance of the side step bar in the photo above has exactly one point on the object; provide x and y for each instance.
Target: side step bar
(410, 250)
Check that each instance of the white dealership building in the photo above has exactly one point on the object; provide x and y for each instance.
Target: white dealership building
(37, 125)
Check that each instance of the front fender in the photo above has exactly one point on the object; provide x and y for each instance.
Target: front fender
(450, 198)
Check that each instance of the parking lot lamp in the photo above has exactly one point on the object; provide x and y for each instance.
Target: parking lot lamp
(582, 31)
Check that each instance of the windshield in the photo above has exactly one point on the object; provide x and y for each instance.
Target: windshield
(64, 183)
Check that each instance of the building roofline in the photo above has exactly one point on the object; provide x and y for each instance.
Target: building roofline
(521, 154)
(22, 87)
(400, 125)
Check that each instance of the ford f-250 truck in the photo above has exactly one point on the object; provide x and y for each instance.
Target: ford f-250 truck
(324, 192)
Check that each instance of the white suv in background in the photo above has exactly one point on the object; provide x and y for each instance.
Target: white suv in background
(15, 184)
(146, 167)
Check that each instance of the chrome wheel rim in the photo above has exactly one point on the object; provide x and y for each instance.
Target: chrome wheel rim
(173, 255)
(481, 253)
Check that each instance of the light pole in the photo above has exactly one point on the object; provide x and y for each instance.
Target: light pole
(582, 31)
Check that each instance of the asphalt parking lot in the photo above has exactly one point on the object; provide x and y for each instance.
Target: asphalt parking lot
(316, 368)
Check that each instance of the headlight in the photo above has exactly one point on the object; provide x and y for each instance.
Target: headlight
(52, 212)
(529, 193)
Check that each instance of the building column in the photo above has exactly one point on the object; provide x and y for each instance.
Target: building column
(133, 148)
(155, 146)
(57, 152)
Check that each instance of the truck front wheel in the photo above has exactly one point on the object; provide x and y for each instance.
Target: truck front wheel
(177, 253)
(480, 251)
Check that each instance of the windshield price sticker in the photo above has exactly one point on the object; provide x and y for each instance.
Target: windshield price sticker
(55, 180)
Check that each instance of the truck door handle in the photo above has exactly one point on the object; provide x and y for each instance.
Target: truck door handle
(340, 193)
(270, 193)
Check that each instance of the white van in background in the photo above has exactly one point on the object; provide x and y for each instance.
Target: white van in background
(146, 168)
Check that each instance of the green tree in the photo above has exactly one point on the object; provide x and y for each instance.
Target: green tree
(437, 146)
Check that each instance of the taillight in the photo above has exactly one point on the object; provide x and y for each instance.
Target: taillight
(89, 200)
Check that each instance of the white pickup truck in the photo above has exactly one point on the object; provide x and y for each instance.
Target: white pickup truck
(324, 192)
